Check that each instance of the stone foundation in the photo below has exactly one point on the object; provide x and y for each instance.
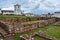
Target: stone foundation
(17, 27)
(39, 34)
(20, 19)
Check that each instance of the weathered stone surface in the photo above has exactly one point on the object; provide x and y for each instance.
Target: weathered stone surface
(39, 34)
(20, 19)
(8, 38)
(13, 25)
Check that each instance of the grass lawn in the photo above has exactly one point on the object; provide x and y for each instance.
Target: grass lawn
(30, 22)
(16, 37)
(54, 32)
(58, 23)
(15, 16)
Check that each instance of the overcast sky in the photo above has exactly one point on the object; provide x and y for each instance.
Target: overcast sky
(35, 6)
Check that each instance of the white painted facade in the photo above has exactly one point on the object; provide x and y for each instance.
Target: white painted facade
(56, 14)
(17, 9)
(0, 11)
(29, 14)
(8, 13)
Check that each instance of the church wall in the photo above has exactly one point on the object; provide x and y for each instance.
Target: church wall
(0, 12)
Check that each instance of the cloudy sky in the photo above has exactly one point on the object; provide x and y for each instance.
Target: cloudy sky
(34, 6)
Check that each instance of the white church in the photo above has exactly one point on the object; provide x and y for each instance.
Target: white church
(17, 11)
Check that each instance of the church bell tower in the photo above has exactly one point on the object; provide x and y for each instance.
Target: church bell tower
(17, 9)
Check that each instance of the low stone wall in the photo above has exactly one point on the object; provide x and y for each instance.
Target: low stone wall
(28, 27)
(3, 26)
(57, 19)
(16, 27)
(20, 19)
(10, 27)
(39, 34)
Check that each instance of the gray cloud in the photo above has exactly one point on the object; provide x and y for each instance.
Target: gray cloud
(35, 6)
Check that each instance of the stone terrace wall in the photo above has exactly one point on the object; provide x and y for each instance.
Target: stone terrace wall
(28, 27)
(57, 19)
(10, 27)
(20, 19)
(39, 34)
(3, 26)
(17, 27)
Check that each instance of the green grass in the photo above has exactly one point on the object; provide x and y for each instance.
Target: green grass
(57, 22)
(54, 32)
(16, 37)
(15, 16)
(30, 22)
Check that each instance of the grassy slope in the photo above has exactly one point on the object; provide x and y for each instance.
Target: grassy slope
(33, 22)
(15, 16)
(16, 37)
(54, 32)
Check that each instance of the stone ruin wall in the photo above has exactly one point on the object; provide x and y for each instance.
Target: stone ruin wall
(14, 22)
(27, 27)
(39, 34)
(57, 19)
(3, 26)
(20, 19)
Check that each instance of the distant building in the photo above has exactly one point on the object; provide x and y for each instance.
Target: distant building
(7, 11)
(29, 14)
(0, 11)
(56, 14)
(17, 11)
(46, 15)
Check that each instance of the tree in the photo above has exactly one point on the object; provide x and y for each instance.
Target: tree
(48, 13)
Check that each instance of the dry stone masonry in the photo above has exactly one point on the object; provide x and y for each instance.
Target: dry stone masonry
(11, 26)
(39, 34)
(14, 26)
